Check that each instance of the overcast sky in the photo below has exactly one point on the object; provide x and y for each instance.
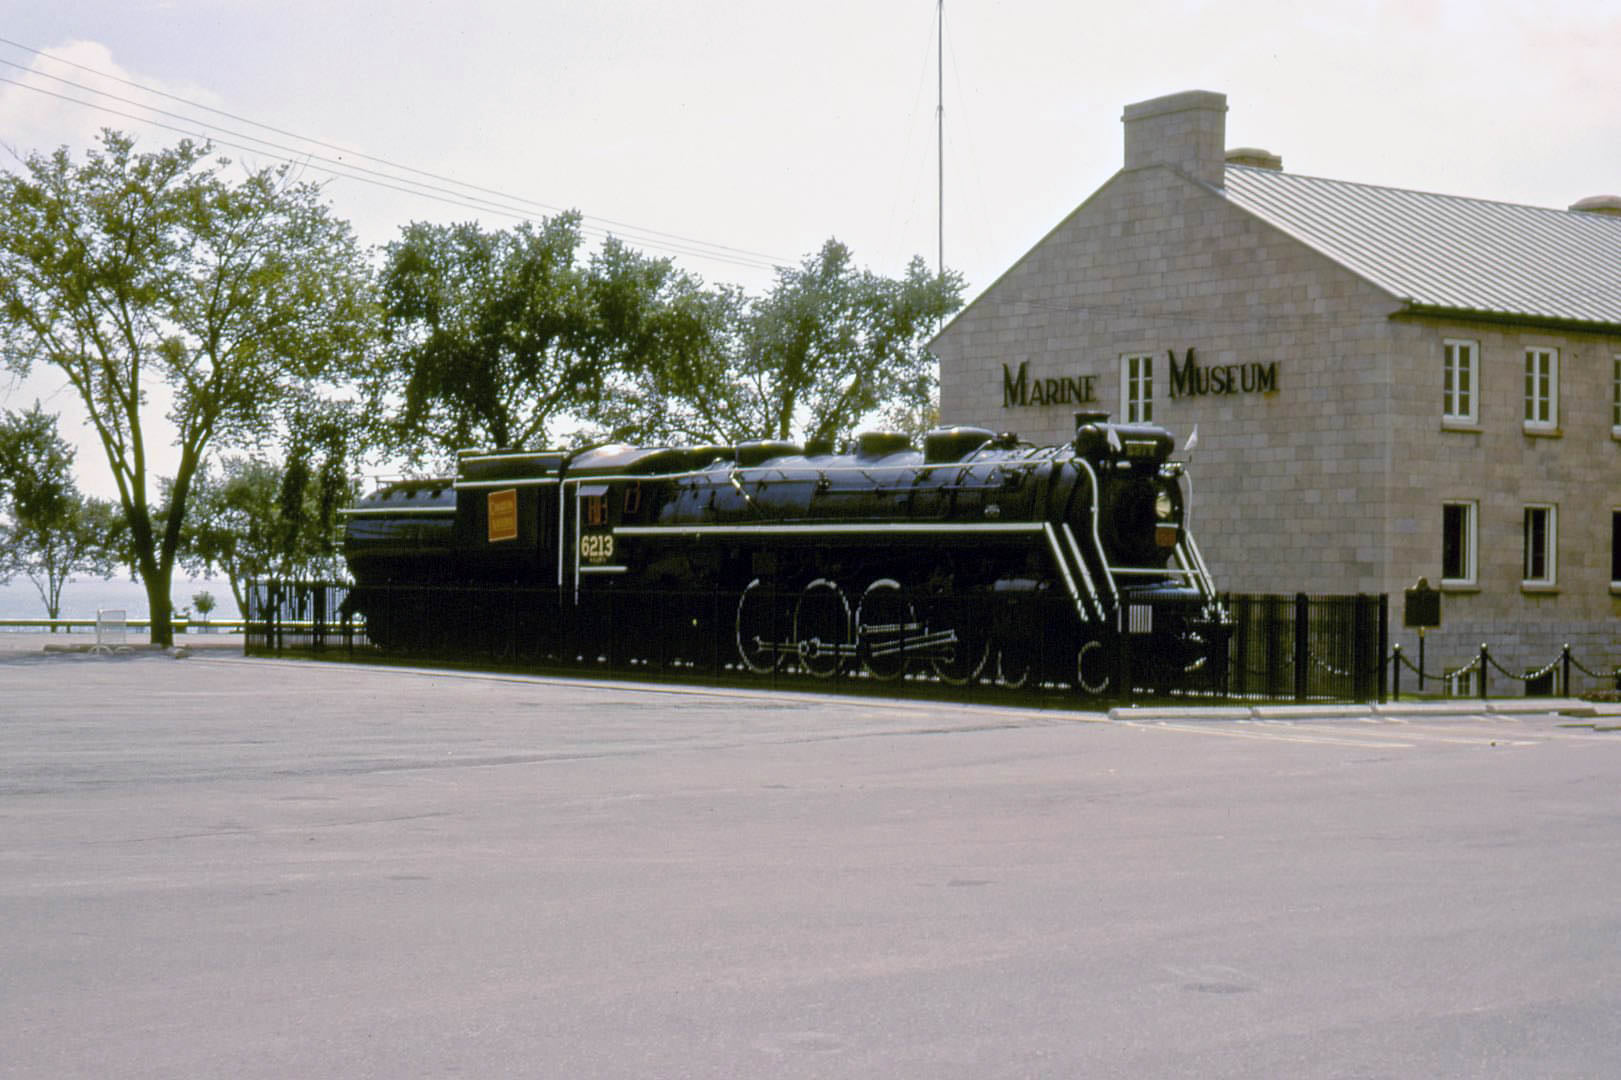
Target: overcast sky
(738, 134)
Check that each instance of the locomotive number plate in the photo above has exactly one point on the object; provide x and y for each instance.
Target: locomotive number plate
(597, 547)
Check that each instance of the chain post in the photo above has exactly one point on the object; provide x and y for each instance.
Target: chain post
(1564, 657)
(1485, 659)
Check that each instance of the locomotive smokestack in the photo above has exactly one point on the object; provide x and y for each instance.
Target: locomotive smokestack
(1090, 416)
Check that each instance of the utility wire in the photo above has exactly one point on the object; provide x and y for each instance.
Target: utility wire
(352, 172)
(509, 205)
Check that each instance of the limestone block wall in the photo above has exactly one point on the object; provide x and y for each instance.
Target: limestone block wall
(1289, 485)
(1497, 465)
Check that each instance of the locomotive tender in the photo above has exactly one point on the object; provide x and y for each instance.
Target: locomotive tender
(976, 557)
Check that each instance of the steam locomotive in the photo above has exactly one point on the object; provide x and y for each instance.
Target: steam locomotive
(974, 557)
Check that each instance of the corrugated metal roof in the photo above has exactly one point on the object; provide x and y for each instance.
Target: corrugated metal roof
(1442, 251)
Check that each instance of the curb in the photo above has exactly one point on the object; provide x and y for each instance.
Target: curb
(1572, 707)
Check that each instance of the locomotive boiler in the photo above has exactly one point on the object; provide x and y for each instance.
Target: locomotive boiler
(974, 557)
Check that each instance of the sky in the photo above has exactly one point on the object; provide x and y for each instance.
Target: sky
(738, 135)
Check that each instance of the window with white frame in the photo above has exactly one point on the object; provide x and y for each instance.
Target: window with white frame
(1458, 369)
(1541, 545)
(1458, 543)
(1542, 388)
(1137, 388)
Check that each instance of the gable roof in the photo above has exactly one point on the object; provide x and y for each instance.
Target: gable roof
(1448, 254)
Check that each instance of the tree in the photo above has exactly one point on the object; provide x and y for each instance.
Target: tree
(833, 344)
(486, 335)
(253, 519)
(52, 532)
(826, 347)
(133, 270)
(662, 339)
(204, 603)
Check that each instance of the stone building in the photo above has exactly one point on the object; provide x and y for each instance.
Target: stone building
(1386, 384)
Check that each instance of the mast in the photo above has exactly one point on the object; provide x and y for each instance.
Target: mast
(940, 124)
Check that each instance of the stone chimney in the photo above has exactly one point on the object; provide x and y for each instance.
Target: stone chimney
(1187, 131)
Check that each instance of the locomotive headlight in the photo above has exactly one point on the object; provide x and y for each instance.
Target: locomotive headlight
(1162, 506)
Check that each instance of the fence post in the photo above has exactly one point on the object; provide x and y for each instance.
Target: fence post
(1485, 658)
(1302, 645)
(1395, 671)
(1565, 661)
(1384, 640)
(1122, 654)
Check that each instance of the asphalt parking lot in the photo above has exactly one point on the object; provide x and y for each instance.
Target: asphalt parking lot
(228, 867)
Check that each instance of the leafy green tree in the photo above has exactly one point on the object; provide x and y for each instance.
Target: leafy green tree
(831, 344)
(50, 532)
(204, 603)
(132, 270)
(662, 339)
(253, 519)
(828, 346)
(487, 336)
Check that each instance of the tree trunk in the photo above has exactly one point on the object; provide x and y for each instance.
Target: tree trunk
(160, 609)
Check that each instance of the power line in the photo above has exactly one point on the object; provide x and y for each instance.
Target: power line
(509, 205)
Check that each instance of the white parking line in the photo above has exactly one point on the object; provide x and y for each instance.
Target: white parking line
(1295, 736)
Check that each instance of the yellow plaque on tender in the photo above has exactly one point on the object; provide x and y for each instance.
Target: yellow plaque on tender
(503, 514)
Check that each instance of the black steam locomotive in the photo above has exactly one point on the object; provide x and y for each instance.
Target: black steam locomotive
(977, 557)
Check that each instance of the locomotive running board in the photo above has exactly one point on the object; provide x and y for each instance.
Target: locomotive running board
(854, 529)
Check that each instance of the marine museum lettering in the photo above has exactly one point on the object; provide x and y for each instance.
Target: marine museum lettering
(1188, 379)
(1021, 390)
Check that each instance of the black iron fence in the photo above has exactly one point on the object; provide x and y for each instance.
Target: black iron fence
(1298, 649)
(1306, 649)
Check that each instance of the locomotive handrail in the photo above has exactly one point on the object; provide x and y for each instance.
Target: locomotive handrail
(1097, 537)
(1149, 571)
(740, 469)
(1086, 574)
(1209, 586)
(361, 511)
(525, 481)
(737, 485)
(1058, 557)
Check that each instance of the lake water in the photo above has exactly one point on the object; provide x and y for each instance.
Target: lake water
(82, 597)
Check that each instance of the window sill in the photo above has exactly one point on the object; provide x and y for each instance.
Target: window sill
(1542, 432)
(1468, 427)
(1615, 433)
(1459, 587)
(1615, 588)
(1539, 588)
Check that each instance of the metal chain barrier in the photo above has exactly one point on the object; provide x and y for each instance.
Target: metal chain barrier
(1614, 673)
(1530, 676)
(1399, 659)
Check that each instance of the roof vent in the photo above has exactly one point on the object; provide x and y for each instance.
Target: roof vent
(1599, 204)
(1255, 157)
